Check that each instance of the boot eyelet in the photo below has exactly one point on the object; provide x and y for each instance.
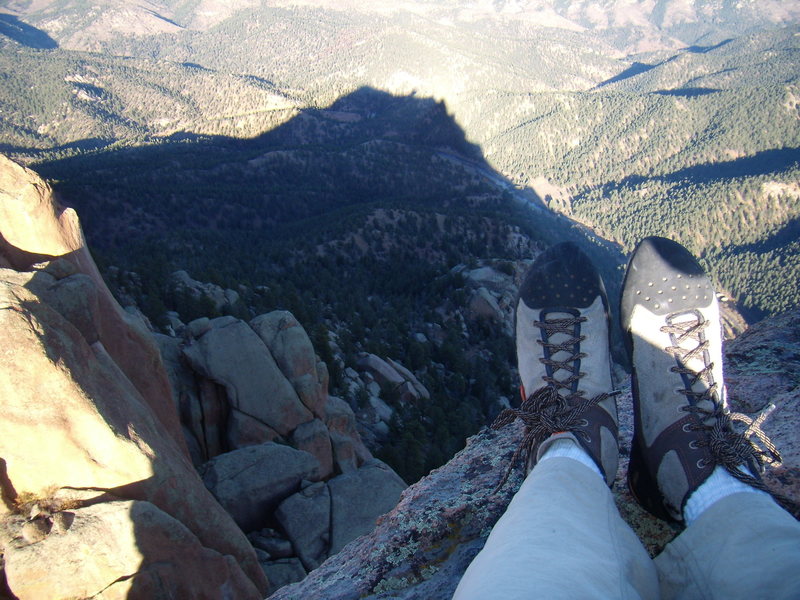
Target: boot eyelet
(693, 445)
(686, 427)
(701, 464)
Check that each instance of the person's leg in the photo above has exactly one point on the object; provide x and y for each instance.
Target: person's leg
(743, 546)
(561, 536)
(688, 462)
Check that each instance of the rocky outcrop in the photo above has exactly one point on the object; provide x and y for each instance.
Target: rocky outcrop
(94, 470)
(94, 473)
(493, 295)
(272, 446)
(98, 547)
(421, 548)
(377, 389)
(290, 345)
(222, 300)
(233, 356)
(250, 482)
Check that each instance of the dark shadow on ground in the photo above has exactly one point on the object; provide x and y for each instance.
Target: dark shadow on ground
(687, 92)
(785, 235)
(705, 49)
(27, 35)
(635, 69)
(84, 145)
(761, 163)
(219, 205)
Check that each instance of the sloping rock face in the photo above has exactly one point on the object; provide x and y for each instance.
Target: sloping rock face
(421, 548)
(93, 465)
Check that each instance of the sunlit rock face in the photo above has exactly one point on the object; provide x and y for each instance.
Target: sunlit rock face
(93, 466)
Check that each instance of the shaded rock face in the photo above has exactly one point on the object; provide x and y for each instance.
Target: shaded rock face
(420, 549)
(122, 538)
(219, 298)
(291, 347)
(232, 355)
(277, 452)
(250, 482)
(93, 464)
(493, 296)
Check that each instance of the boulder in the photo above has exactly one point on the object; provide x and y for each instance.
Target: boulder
(483, 305)
(218, 297)
(349, 451)
(380, 370)
(382, 410)
(489, 277)
(421, 390)
(358, 498)
(198, 327)
(137, 552)
(283, 571)
(243, 430)
(422, 546)
(293, 352)
(306, 517)
(251, 482)
(234, 356)
(270, 542)
(313, 437)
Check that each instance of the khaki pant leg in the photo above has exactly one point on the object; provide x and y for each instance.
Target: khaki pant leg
(744, 546)
(561, 537)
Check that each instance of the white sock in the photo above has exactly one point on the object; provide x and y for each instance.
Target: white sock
(718, 485)
(566, 448)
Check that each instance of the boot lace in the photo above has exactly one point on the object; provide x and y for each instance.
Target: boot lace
(730, 447)
(558, 406)
(544, 413)
(569, 327)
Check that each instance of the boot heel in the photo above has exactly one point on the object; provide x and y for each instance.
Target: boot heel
(643, 486)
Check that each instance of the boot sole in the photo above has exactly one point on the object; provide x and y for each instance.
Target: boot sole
(642, 481)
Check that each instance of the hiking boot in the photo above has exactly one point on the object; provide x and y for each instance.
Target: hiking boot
(563, 358)
(683, 428)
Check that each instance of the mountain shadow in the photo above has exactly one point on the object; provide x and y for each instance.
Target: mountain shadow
(361, 218)
(635, 69)
(252, 210)
(368, 147)
(27, 35)
(687, 92)
(705, 49)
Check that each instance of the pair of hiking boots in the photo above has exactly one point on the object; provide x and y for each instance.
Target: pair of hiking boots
(671, 323)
